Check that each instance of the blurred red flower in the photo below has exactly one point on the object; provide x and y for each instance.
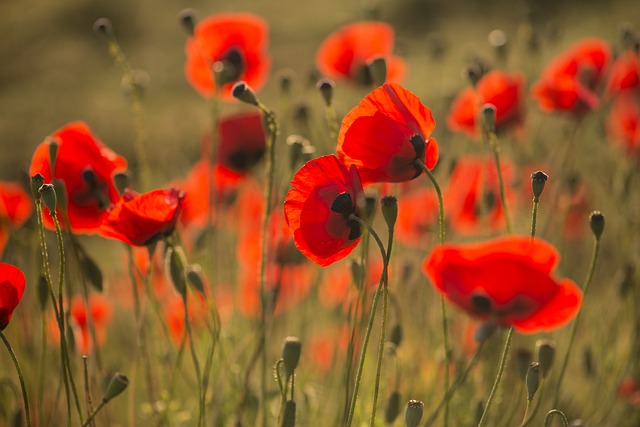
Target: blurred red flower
(241, 141)
(386, 133)
(623, 123)
(624, 74)
(15, 208)
(568, 83)
(317, 208)
(12, 283)
(507, 281)
(174, 314)
(100, 312)
(472, 196)
(417, 216)
(345, 52)
(502, 90)
(86, 168)
(140, 219)
(237, 43)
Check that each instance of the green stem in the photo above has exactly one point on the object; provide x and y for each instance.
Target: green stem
(527, 420)
(496, 383)
(41, 369)
(25, 398)
(560, 414)
(493, 141)
(574, 325)
(372, 316)
(443, 307)
(534, 216)
(94, 413)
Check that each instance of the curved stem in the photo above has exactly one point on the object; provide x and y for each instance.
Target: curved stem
(496, 383)
(574, 325)
(93, 414)
(560, 414)
(194, 357)
(372, 315)
(433, 180)
(25, 398)
(527, 420)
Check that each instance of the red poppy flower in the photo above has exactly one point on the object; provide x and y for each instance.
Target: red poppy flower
(624, 74)
(386, 133)
(15, 208)
(317, 208)
(140, 219)
(100, 312)
(472, 195)
(238, 42)
(623, 123)
(11, 289)
(502, 90)
(569, 81)
(507, 281)
(345, 53)
(241, 141)
(86, 167)
(417, 216)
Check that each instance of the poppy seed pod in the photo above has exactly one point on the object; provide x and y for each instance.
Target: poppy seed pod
(533, 380)
(117, 385)
(596, 222)
(488, 118)
(392, 410)
(538, 180)
(187, 18)
(243, 92)
(389, 207)
(48, 194)
(37, 181)
(103, 26)
(413, 413)
(291, 349)
(326, 87)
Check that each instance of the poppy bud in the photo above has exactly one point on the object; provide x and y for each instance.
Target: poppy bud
(92, 272)
(176, 265)
(389, 207)
(53, 154)
(291, 349)
(396, 334)
(484, 332)
(326, 86)
(596, 221)
(392, 409)
(103, 26)
(194, 277)
(378, 70)
(367, 207)
(413, 413)
(546, 350)
(187, 18)
(121, 181)
(36, 182)
(538, 180)
(289, 416)
(488, 118)
(48, 194)
(523, 359)
(43, 292)
(533, 380)
(117, 385)
(357, 272)
(243, 92)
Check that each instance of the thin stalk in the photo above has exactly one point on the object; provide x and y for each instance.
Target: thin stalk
(527, 420)
(443, 307)
(493, 141)
(194, 357)
(574, 325)
(496, 383)
(41, 370)
(372, 316)
(560, 414)
(534, 216)
(87, 387)
(25, 398)
(94, 413)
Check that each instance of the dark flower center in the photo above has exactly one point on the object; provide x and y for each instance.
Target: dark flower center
(343, 204)
(230, 67)
(96, 191)
(243, 160)
(481, 304)
(419, 146)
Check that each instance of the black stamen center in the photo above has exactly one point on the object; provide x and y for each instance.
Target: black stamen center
(481, 303)
(343, 204)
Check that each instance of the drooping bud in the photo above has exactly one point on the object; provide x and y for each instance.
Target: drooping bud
(377, 70)
(389, 207)
(413, 413)
(546, 350)
(194, 278)
(177, 265)
(187, 18)
(488, 118)
(43, 292)
(37, 181)
(326, 86)
(596, 222)
(243, 92)
(533, 380)
(103, 26)
(538, 180)
(395, 336)
(392, 410)
(48, 194)
(291, 349)
(117, 385)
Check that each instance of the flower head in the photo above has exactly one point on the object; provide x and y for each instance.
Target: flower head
(569, 81)
(86, 168)
(623, 123)
(12, 283)
(241, 141)
(230, 46)
(507, 281)
(140, 219)
(386, 133)
(346, 52)
(15, 208)
(323, 195)
(624, 74)
(502, 90)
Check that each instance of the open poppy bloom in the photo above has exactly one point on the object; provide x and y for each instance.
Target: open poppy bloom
(569, 81)
(346, 52)
(140, 219)
(12, 283)
(502, 90)
(232, 45)
(15, 208)
(241, 141)
(624, 74)
(386, 133)
(623, 123)
(507, 281)
(323, 195)
(86, 168)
